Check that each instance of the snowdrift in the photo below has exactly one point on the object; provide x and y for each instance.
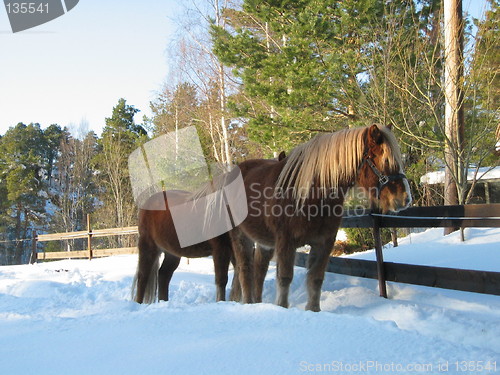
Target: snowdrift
(76, 317)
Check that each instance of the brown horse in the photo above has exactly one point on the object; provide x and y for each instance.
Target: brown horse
(299, 200)
(157, 235)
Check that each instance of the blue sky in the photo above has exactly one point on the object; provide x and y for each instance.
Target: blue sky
(76, 67)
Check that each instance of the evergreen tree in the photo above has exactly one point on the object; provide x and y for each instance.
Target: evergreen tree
(119, 138)
(308, 66)
(53, 136)
(23, 164)
(175, 109)
(299, 64)
(483, 87)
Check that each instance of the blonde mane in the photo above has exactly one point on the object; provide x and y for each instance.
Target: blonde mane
(332, 160)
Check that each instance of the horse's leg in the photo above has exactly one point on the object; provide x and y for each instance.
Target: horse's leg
(169, 265)
(221, 254)
(235, 294)
(147, 271)
(243, 252)
(316, 264)
(285, 254)
(261, 260)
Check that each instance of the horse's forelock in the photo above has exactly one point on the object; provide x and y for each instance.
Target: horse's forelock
(392, 151)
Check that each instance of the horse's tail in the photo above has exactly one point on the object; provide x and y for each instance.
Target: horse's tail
(150, 293)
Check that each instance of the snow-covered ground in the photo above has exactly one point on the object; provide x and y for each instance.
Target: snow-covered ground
(76, 317)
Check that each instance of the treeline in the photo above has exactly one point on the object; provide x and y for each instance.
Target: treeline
(50, 180)
(257, 77)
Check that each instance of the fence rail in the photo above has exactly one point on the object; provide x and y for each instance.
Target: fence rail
(89, 234)
(84, 234)
(480, 215)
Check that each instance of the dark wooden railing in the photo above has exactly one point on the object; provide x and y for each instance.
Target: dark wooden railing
(480, 215)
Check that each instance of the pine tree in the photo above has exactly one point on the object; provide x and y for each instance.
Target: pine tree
(53, 136)
(23, 165)
(483, 86)
(120, 136)
(175, 109)
(299, 64)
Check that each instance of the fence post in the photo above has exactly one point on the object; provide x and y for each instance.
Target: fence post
(380, 257)
(394, 236)
(89, 237)
(33, 248)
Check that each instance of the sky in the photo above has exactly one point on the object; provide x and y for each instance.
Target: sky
(73, 70)
(76, 67)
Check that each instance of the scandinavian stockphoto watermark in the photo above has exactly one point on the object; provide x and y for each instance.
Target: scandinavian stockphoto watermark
(205, 200)
(25, 15)
(444, 366)
(277, 202)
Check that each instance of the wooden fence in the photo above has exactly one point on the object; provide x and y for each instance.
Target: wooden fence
(89, 234)
(481, 215)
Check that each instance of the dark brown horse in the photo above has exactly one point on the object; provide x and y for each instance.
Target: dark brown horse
(157, 235)
(299, 200)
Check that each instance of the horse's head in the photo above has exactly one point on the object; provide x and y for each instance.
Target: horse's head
(381, 171)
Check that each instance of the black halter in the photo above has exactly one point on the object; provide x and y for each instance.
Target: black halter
(382, 178)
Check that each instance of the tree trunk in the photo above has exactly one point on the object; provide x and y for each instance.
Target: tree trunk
(226, 158)
(454, 118)
(225, 137)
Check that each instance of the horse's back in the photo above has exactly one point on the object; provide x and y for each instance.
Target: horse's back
(262, 170)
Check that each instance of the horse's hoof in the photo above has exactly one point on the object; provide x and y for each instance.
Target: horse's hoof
(314, 308)
(283, 304)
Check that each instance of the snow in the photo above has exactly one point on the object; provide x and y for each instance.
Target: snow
(341, 235)
(480, 251)
(76, 317)
(484, 173)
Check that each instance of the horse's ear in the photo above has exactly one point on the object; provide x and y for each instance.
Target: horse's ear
(281, 156)
(389, 126)
(375, 135)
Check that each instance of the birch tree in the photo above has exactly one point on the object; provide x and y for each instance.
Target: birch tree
(195, 63)
(75, 191)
